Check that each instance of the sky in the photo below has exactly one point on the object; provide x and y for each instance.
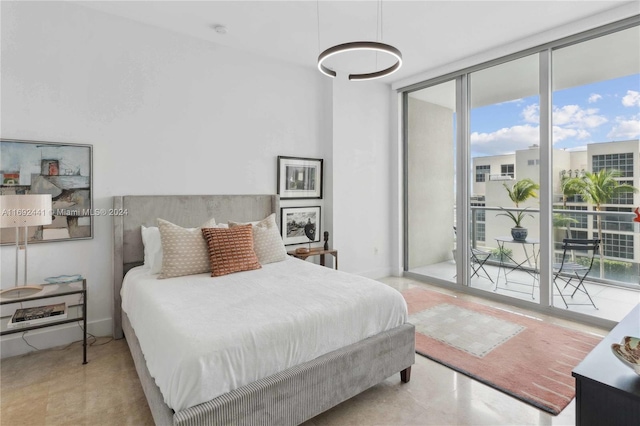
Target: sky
(605, 111)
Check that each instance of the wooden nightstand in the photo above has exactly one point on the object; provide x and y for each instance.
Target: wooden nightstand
(316, 252)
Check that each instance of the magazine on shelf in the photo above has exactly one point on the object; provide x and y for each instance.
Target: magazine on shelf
(37, 315)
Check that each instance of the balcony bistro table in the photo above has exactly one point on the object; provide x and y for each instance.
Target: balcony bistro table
(532, 268)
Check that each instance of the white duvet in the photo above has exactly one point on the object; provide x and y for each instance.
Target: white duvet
(204, 336)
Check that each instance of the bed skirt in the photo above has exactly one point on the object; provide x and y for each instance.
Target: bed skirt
(294, 395)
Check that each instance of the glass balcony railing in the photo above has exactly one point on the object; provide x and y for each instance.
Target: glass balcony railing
(620, 238)
(502, 176)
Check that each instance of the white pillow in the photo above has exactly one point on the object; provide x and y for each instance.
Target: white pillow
(267, 242)
(184, 250)
(152, 248)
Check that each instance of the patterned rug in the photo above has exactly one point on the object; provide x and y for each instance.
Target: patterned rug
(522, 356)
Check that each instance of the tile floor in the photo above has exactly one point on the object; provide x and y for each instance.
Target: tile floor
(52, 387)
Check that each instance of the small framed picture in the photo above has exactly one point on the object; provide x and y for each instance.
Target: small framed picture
(299, 177)
(300, 224)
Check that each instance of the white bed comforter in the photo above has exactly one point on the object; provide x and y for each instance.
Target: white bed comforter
(204, 336)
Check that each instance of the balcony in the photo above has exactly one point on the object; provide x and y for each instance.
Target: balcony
(502, 176)
(615, 290)
(612, 301)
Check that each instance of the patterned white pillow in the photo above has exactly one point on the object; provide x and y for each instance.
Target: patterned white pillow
(267, 242)
(184, 250)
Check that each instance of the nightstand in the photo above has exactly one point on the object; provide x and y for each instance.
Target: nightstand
(316, 252)
(75, 312)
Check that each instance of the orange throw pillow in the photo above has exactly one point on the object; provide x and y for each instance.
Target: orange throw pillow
(231, 249)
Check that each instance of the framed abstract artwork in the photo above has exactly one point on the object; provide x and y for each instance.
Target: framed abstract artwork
(60, 169)
(300, 224)
(299, 177)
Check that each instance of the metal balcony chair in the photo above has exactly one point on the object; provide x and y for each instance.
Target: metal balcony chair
(478, 259)
(571, 273)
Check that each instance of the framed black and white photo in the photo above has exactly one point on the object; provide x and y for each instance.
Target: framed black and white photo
(300, 224)
(299, 177)
(63, 170)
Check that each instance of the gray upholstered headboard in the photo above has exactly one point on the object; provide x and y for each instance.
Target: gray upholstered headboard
(132, 211)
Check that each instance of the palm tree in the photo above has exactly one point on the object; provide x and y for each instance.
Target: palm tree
(569, 189)
(563, 221)
(522, 190)
(599, 188)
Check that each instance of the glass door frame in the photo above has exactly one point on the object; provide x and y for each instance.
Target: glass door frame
(463, 171)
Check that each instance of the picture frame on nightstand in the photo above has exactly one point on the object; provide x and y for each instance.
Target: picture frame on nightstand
(297, 222)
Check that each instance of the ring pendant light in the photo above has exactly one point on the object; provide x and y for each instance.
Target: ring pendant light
(361, 46)
(355, 46)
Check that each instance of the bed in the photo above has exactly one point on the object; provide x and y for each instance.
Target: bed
(289, 396)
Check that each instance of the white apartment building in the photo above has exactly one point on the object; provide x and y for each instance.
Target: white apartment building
(621, 236)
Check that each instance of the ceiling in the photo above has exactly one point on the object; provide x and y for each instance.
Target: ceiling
(430, 34)
(602, 58)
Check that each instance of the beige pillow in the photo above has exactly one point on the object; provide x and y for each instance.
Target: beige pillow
(267, 242)
(230, 250)
(184, 250)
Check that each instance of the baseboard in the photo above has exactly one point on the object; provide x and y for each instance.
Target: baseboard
(45, 338)
(376, 273)
(396, 271)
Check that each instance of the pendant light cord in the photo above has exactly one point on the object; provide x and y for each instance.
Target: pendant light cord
(381, 22)
(378, 6)
(318, 16)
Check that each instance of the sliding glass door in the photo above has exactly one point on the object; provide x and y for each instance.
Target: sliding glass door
(596, 165)
(546, 140)
(504, 162)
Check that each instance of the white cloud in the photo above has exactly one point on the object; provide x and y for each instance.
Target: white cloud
(570, 116)
(510, 139)
(562, 133)
(531, 113)
(594, 97)
(573, 116)
(505, 140)
(570, 122)
(625, 128)
(632, 98)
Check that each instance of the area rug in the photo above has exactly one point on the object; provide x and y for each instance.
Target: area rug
(522, 356)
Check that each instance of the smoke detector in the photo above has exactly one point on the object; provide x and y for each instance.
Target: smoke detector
(220, 29)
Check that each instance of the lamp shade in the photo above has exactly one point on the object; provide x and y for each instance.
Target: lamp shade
(25, 210)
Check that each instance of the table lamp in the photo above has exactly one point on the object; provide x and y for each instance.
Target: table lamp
(22, 211)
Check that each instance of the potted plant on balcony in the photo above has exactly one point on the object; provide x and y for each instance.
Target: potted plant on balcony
(521, 191)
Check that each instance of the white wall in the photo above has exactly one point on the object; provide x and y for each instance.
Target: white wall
(362, 176)
(494, 162)
(430, 190)
(169, 114)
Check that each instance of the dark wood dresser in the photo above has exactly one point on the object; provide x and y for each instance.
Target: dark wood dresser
(607, 391)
